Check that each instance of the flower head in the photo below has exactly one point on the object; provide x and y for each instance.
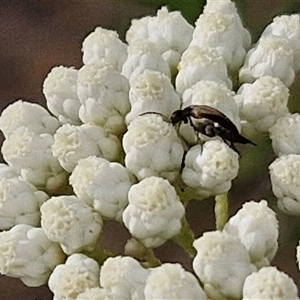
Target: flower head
(285, 180)
(272, 56)
(288, 27)
(103, 93)
(72, 143)
(257, 227)
(269, 283)
(60, 91)
(76, 275)
(263, 102)
(104, 45)
(70, 222)
(154, 212)
(152, 91)
(171, 281)
(28, 254)
(222, 263)
(19, 203)
(285, 135)
(30, 115)
(152, 148)
(124, 278)
(103, 185)
(210, 168)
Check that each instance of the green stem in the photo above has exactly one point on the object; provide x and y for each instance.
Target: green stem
(221, 210)
(98, 254)
(185, 238)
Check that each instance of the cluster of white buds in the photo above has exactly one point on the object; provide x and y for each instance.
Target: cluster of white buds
(122, 146)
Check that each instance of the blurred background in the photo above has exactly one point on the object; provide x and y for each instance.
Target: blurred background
(37, 35)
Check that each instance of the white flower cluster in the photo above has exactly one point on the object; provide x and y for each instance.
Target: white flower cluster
(109, 151)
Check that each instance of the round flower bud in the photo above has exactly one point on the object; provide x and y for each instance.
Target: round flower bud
(167, 30)
(19, 203)
(154, 212)
(76, 275)
(103, 93)
(220, 31)
(143, 55)
(288, 27)
(123, 278)
(285, 180)
(269, 283)
(210, 168)
(30, 115)
(70, 222)
(263, 102)
(152, 91)
(104, 45)
(171, 281)
(28, 254)
(60, 91)
(222, 263)
(271, 56)
(257, 227)
(72, 143)
(201, 63)
(29, 154)
(102, 185)
(152, 148)
(227, 7)
(285, 135)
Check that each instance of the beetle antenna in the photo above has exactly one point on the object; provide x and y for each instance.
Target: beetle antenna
(156, 113)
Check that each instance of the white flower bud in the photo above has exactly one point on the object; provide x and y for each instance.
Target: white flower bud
(72, 143)
(26, 253)
(285, 135)
(222, 263)
(210, 168)
(171, 281)
(103, 93)
(271, 56)
(255, 224)
(30, 115)
(167, 30)
(287, 26)
(201, 63)
(124, 278)
(142, 55)
(154, 212)
(263, 102)
(76, 275)
(30, 155)
(70, 222)
(269, 283)
(104, 45)
(285, 180)
(60, 90)
(152, 148)
(102, 185)
(220, 31)
(228, 7)
(19, 203)
(152, 91)
(95, 293)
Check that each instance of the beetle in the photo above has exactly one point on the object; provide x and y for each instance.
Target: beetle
(210, 122)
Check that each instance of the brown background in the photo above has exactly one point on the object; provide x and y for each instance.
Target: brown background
(37, 35)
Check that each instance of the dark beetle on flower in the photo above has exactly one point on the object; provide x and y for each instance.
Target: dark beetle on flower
(210, 122)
